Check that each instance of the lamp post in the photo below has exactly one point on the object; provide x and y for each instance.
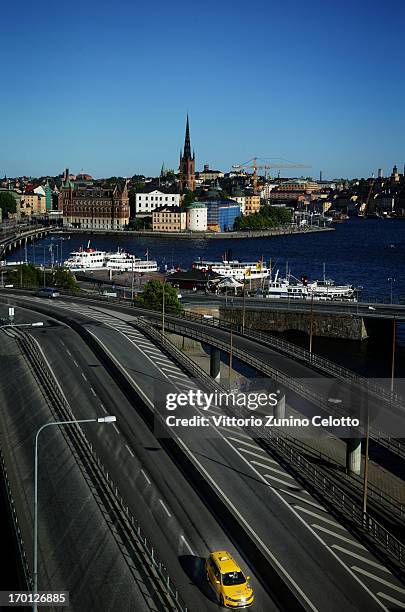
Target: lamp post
(311, 324)
(163, 306)
(394, 333)
(391, 280)
(107, 419)
(365, 477)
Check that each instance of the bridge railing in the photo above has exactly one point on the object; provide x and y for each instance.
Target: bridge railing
(14, 517)
(282, 443)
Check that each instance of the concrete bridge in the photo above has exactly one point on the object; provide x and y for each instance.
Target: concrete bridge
(21, 238)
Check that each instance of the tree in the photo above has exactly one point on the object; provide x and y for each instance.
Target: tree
(152, 296)
(7, 203)
(33, 276)
(188, 198)
(267, 217)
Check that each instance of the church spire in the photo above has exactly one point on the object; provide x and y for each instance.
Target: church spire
(187, 146)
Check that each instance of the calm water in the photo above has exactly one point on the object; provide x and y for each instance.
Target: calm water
(361, 252)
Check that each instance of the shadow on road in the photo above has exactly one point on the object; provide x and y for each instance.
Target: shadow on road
(194, 568)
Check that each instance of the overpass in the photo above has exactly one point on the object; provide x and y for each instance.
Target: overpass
(268, 512)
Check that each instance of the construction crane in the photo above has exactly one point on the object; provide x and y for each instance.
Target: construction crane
(252, 164)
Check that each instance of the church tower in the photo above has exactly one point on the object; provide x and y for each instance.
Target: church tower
(187, 165)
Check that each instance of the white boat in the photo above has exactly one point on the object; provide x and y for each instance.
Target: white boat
(292, 288)
(85, 259)
(236, 269)
(120, 261)
(126, 262)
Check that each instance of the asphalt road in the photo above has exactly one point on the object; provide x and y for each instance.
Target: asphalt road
(369, 310)
(306, 550)
(172, 514)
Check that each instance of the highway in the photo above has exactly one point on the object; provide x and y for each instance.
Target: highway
(369, 310)
(173, 516)
(318, 558)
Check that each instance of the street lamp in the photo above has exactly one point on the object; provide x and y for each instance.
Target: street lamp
(391, 280)
(106, 419)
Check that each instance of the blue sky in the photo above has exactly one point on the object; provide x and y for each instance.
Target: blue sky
(105, 86)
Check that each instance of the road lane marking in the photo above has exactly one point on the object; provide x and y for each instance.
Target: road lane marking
(116, 428)
(297, 515)
(392, 600)
(84, 376)
(68, 352)
(129, 450)
(247, 524)
(187, 545)
(286, 484)
(378, 579)
(364, 559)
(166, 510)
(279, 472)
(264, 457)
(251, 444)
(75, 362)
(319, 517)
(302, 499)
(146, 477)
(235, 433)
(93, 392)
(103, 407)
(339, 536)
(236, 511)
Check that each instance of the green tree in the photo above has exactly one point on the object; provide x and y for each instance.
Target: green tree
(62, 278)
(152, 296)
(189, 197)
(266, 218)
(7, 203)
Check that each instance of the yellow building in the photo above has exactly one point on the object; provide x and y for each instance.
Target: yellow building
(169, 219)
(32, 204)
(252, 204)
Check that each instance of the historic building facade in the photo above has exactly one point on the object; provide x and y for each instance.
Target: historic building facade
(92, 206)
(187, 165)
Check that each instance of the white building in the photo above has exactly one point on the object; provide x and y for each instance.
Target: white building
(145, 203)
(197, 217)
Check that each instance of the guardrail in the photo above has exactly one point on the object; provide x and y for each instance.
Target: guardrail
(18, 534)
(124, 521)
(338, 498)
(374, 493)
(394, 445)
(326, 486)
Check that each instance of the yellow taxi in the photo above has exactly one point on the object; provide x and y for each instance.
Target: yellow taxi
(228, 581)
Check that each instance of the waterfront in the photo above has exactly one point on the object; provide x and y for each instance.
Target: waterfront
(363, 253)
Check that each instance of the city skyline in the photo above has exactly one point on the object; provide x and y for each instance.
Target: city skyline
(109, 92)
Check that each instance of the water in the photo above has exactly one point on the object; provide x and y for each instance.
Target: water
(360, 252)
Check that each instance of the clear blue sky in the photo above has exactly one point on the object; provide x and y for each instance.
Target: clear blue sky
(105, 86)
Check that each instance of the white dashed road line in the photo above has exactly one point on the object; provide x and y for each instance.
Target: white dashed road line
(116, 428)
(145, 476)
(360, 558)
(164, 507)
(84, 376)
(339, 536)
(319, 517)
(392, 600)
(378, 579)
(187, 545)
(129, 450)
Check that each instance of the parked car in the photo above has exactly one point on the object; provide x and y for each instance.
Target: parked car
(109, 293)
(49, 292)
